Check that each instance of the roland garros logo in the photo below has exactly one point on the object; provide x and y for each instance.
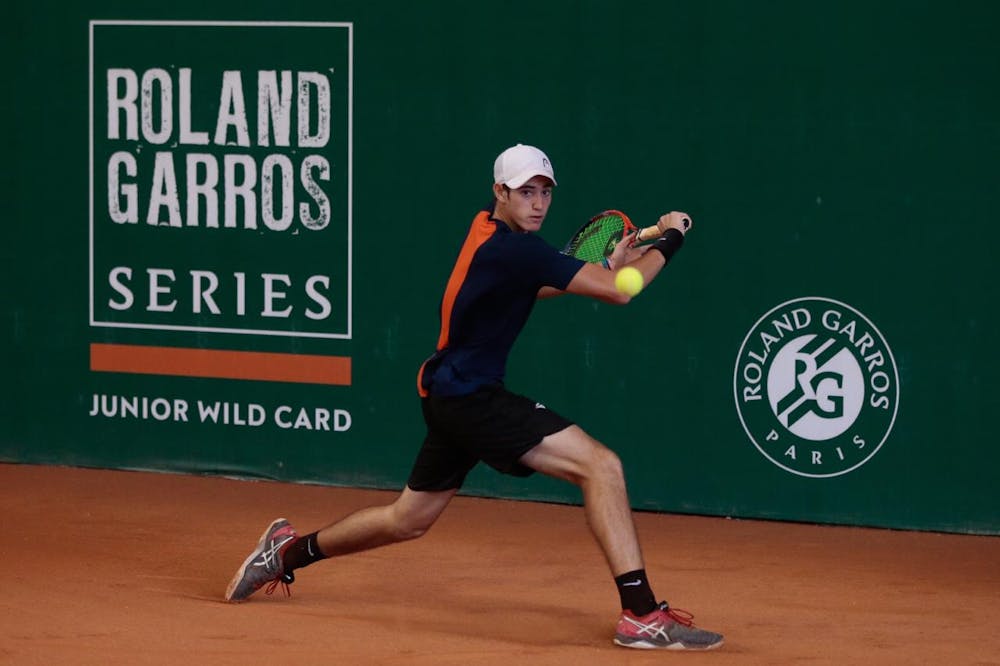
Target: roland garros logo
(816, 387)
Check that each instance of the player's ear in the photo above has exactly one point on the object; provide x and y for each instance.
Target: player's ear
(501, 192)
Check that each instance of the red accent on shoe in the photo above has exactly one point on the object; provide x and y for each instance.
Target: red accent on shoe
(680, 616)
(280, 580)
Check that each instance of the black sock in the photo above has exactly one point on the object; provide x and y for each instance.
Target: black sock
(633, 588)
(302, 552)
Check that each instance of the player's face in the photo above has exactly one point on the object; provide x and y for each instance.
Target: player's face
(526, 207)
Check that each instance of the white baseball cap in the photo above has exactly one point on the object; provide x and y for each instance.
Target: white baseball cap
(519, 164)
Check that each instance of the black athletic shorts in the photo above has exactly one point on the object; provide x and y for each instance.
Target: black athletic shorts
(491, 425)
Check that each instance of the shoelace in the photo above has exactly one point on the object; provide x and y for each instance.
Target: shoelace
(284, 580)
(678, 615)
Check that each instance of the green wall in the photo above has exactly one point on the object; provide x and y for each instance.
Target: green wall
(840, 162)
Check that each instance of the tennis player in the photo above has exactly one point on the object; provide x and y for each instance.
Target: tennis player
(471, 417)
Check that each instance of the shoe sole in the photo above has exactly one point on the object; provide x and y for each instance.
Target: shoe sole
(231, 588)
(646, 645)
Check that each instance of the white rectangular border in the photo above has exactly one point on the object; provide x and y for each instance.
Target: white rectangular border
(350, 176)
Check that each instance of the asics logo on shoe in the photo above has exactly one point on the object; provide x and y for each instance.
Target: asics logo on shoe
(653, 629)
(539, 405)
(269, 555)
(633, 583)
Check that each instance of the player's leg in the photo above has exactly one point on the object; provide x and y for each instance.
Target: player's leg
(438, 473)
(281, 551)
(575, 456)
(517, 435)
(409, 517)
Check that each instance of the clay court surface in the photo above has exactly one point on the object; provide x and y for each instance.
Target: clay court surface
(111, 567)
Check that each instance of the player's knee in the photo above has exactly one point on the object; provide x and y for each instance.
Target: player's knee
(410, 526)
(409, 531)
(613, 465)
(606, 466)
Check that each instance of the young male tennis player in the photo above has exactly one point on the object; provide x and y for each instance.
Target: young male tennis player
(471, 416)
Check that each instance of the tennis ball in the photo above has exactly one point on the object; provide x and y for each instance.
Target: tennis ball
(629, 281)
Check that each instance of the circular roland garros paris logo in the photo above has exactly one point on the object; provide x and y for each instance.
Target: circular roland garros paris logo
(816, 387)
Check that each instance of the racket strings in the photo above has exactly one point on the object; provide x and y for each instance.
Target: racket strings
(597, 239)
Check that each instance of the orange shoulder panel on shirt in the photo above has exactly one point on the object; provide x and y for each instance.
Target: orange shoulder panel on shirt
(479, 232)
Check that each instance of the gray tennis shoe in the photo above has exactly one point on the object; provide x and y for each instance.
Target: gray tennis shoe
(264, 565)
(665, 628)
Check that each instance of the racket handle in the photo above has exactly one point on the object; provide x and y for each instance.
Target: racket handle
(648, 233)
(654, 231)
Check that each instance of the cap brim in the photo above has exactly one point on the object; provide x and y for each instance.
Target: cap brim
(523, 178)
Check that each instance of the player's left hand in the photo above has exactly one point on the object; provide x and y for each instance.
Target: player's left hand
(625, 252)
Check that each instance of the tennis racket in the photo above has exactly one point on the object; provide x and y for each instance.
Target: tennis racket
(595, 241)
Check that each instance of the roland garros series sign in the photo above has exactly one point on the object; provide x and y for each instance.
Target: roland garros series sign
(221, 177)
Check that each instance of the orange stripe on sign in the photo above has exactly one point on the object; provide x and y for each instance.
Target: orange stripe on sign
(219, 364)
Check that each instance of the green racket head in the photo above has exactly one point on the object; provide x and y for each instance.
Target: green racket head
(596, 239)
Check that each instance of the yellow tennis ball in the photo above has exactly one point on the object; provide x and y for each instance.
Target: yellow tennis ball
(629, 281)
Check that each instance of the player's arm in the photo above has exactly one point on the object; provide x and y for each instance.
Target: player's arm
(624, 254)
(597, 282)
